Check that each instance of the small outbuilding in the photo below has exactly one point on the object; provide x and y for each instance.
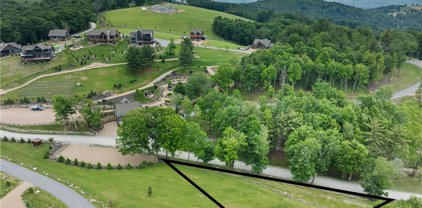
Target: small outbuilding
(36, 142)
(197, 35)
(261, 44)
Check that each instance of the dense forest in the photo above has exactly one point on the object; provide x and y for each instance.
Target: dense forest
(339, 13)
(30, 22)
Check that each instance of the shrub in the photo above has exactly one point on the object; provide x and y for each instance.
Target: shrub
(99, 166)
(31, 190)
(109, 166)
(89, 166)
(50, 147)
(75, 162)
(51, 139)
(129, 166)
(8, 184)
(141, 166)
(22, 140)
(29, 140)
(119, 167)
(149, 191)
(82, 164)
(60, 159)
(5, 139)
(46, 155)
(13, 139)
(67, 162)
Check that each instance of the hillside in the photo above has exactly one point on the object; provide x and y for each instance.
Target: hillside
(174, 24)
(339, 13)
(376, 3)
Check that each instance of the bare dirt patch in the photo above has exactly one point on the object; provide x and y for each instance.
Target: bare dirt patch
(109, 130)
(24, 116)
(83, 78)
(104, 155)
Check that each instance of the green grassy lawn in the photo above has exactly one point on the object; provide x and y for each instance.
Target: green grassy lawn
(97, 80)
(169, 25)
(4, 188)
(140, 96)
(128, 188)
(42, 199)
(14, 72)
(212, 57)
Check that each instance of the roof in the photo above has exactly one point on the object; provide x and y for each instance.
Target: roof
(265, 42)
(123, 108)
(143, 31)
(40, 45)
(58, 33)
(12, 44)
(197, 31)
(110, 32)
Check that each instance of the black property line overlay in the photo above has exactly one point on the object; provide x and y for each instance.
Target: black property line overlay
(170, 163)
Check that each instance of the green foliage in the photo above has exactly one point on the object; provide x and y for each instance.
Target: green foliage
(91, 114)
(186, 52)
(63, 107)
(119, 167)
(68, 161)
(75, 162)
(89, 166)
(351, 156)
(128, 166)
(412, 202)
(378, 176)
(149, 191)
(179, 88)
(198, 85)
(139, 58)
(109, 166)
(229, 146)
(225, 77)
(99, 166)
(60, 159)
(82, 164)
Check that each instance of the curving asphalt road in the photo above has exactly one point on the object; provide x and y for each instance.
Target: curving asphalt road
(65, 194)
(411, 90)
(270, 170)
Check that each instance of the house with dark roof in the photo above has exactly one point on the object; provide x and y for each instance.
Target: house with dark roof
(38, 52)
(142, 37)
(103, 36)
(197, 35)
(261, 44)
(8, 49)
(58, 35)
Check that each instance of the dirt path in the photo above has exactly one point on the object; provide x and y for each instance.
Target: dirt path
(14, 198)
(94, 65)
(104, 155)
(109, 130)
(25, 116)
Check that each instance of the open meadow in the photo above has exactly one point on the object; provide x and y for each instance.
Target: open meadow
(128, 188)
(168, 26)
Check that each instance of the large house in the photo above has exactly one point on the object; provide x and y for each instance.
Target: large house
(7, 49)
(197, 35)
(261, 44)
(103, 36)
(38, 52)
(58, 35)
(142, 37)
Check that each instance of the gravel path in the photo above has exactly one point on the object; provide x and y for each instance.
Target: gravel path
(68, 196)
(14, 198)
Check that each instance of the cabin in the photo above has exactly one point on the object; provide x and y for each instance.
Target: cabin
(36, 142)
(58, 35)
(38, 52)
(197, 35)
(8, 49)
(142, 37)
(261, 44)
(103, 36)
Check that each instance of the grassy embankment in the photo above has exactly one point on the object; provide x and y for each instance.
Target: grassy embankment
(6, 187)
(128, 188)
(168, 26)
(41, 199)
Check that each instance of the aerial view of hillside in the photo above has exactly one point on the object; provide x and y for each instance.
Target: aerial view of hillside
(203, 103)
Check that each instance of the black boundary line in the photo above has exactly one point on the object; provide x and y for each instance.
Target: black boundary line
(171, 162)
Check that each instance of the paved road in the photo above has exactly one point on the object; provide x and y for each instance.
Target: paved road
(226, 49)
(270, 170)
(94, 65)
(411, 90)
(92, 27)
(65, 194)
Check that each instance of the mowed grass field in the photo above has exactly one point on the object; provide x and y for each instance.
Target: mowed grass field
(96, 80)
(103, 79)
(42, 199)
(128, 188)
(170, 25)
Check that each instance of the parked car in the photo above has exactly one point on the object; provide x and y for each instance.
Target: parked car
(37, 108)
